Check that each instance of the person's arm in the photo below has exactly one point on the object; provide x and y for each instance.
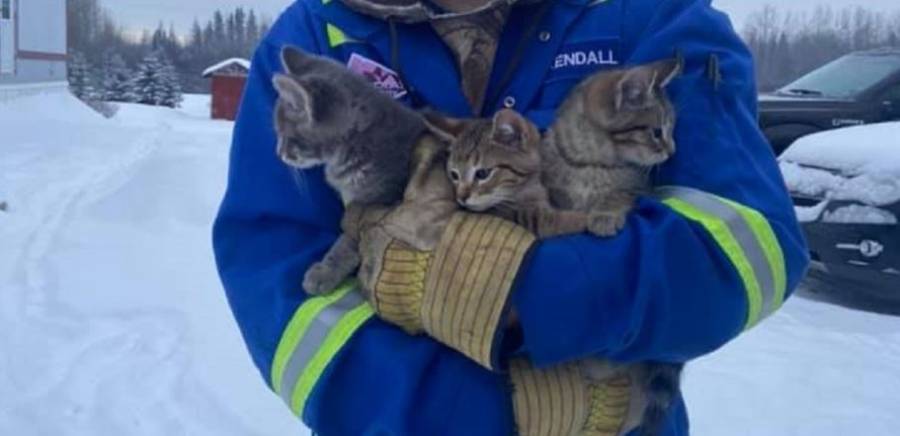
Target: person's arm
(716, 252)
(342, 370)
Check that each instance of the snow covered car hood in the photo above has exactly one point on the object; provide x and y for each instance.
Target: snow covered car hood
(859, 164)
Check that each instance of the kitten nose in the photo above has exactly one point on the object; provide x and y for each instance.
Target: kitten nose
(462, 197)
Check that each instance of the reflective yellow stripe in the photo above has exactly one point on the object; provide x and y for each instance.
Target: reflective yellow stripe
(726, 240)
(297, 327)
(336, 339)
(766, 237)
(336, 36)
(314, 335)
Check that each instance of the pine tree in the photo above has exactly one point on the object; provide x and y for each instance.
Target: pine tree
(230, 31)
(252, 30)
(196, 35)
(117, 79)
(240, 28)
(80, 78)
(209, 36)
(149, 84)
(219, 27)
(171, 86)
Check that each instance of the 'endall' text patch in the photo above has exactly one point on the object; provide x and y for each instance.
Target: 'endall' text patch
(583, 58)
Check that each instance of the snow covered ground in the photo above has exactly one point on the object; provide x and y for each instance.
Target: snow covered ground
(114, 322)
(113, 318)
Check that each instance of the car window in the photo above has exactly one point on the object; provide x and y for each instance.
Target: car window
(846, 77)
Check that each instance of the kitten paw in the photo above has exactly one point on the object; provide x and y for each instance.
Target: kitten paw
(606, 224)
(320, 280)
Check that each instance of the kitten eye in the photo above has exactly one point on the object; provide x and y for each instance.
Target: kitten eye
(454, 175)
(657, 133)
(483, 174)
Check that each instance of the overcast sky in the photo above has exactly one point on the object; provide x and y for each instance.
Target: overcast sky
(140, 14)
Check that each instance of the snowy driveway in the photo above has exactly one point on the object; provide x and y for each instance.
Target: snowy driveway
(113, 318)
(114, 322)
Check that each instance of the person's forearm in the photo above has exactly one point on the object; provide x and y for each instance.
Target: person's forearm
(689, 273)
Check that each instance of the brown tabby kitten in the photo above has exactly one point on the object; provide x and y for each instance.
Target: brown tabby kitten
(593, 163)
(495, 167)
(327, 115)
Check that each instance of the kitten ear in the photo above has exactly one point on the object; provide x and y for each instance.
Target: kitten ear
(294, 60)
(511, 129)
(446, 128)
(667, 70)
(638, 86)
(296, 98)
(635, 89)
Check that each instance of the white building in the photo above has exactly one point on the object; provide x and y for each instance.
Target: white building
(32, 45)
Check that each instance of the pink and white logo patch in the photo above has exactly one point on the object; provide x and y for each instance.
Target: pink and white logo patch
(381, 76)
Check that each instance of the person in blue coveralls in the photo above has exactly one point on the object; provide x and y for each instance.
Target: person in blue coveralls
(694, 267)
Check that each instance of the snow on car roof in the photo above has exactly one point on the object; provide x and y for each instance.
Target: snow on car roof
(857, 163)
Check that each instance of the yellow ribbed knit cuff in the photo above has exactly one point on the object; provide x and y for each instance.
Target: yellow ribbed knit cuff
(397, 296)
(469, 282)
(548, 402)
(561, 401)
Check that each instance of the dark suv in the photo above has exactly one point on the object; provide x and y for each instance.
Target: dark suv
(859, 88)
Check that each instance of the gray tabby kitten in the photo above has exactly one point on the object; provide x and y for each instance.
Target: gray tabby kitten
(328, 115)
(586, 175)
(612, 129)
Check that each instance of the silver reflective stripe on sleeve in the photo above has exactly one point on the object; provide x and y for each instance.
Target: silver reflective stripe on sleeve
(321, 326)
(728, 222)
(313, 340)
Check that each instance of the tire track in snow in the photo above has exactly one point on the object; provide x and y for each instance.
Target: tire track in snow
(76, 355)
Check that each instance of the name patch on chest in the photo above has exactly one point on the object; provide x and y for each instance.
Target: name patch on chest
(381, 76)
(583, 58)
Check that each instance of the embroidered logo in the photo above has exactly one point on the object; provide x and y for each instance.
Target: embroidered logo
(381, 76)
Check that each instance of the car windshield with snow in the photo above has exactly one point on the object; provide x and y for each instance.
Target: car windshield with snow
(846, 188)
(859, 88)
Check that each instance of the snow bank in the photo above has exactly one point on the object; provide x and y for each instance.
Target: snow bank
(113, 318)
(196, 105)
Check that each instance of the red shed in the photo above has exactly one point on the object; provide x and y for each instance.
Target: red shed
(228, 80)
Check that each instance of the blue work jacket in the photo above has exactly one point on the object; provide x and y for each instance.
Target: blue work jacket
(680, 281)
